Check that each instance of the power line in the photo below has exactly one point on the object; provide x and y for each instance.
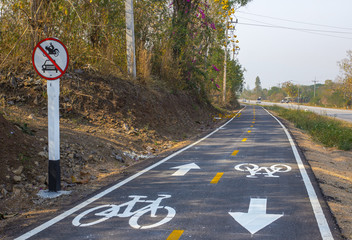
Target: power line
(312, 31)
(287, 20)
(304, 29)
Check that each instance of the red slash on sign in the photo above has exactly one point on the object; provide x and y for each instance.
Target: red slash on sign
(52, 61)
(50, 58)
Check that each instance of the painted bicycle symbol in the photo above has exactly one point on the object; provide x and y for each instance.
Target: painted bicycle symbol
(102, 213)
(254, 169)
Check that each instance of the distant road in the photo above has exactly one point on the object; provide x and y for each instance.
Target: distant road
(341, 114)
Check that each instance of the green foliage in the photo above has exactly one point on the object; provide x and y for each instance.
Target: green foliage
(329, 94)
(258, 87)
(235, 77)
(328, 131)
(346, 78)
(290, 89)
(276, 94)
(174, 40)
(25, 129)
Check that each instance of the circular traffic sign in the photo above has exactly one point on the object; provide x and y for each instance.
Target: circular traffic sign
(50, 58)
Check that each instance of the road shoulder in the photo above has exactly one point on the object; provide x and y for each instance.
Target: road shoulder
(331, 169)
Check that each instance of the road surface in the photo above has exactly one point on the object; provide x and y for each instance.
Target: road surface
(341, 114)
(245, 180)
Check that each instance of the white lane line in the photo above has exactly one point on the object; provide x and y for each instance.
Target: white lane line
(116, 186)
(314, 201)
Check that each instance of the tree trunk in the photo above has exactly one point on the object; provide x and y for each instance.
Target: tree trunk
(34, 23)
(37, 19)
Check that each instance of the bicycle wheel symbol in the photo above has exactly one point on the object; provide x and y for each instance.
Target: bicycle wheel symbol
(255, 170)
(135, 218)
(102, 213)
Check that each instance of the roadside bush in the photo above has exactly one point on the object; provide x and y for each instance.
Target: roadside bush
(328, 131)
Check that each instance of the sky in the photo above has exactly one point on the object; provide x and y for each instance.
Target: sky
(278, 55)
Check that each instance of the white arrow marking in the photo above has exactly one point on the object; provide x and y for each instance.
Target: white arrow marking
(256, 218)
(183, 169)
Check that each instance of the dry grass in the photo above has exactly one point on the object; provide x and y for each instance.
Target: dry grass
(144, 65)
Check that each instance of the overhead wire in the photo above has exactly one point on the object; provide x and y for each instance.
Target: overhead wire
(301, 22)
(306, 30)
(296, 29)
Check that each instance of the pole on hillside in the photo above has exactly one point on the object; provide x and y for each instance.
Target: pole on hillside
(298, 95)
(315, 81)
(130, 42)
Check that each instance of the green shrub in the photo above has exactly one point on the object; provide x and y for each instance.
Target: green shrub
(325, 130)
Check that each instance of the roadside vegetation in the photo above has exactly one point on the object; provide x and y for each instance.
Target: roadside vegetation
(109, 120)
(328, 93)
(325, 130)
(179, 43)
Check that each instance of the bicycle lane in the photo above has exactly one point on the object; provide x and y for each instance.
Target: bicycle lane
(156, 180)
(202, 208)
(266, 204)
(269, 203)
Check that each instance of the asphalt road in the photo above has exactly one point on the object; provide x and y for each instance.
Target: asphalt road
(341, 114)
(246, 180)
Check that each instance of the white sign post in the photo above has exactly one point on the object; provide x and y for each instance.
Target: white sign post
(53, 90)
(50, 60)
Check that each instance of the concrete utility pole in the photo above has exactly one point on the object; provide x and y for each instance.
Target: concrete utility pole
(315, 81)
(225, 60)
(130, 42)
(298, 94)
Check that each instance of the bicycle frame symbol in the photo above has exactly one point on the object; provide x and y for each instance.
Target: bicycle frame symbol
(254, 169)
(109, 211)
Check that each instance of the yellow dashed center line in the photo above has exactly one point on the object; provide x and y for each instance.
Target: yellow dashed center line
(175, 235)
(249, 131)
(217, 178)
(251, 125)
(235, 152)
(253, 122)
(244, 139)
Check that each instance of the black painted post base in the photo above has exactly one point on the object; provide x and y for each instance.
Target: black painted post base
(54, 176)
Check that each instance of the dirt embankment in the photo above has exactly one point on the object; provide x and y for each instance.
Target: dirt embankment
(107, 124)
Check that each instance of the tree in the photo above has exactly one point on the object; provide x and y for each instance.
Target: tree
(180, 42)
(346, 77)
(235, 77)
(258, 87)
(290, 89)
(276, 94)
